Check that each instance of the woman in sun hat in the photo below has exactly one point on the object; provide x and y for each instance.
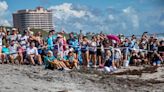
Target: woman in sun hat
(48, 59)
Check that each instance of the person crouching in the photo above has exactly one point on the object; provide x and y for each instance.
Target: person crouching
(51, 62)
(70, 60)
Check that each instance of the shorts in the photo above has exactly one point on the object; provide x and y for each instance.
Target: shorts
(99, 52)
(15, 55)
(7, 56)
(83, 51)
(108, 63)
(156, 62)
(92, 52)
(116, 59)
(40, 51)
(76, 51)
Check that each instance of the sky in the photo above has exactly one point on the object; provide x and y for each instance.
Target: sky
(110, 16)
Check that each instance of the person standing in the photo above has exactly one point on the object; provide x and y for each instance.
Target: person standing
(93, 51)
(85, 51)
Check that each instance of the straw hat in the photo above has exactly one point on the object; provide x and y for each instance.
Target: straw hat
(14, 29)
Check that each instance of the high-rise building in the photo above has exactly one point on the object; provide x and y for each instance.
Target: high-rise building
(39, 18)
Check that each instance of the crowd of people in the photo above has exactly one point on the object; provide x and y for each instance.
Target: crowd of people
(57, 51)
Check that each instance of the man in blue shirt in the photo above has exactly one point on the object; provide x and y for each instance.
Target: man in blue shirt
(73, 43)
(50, 41)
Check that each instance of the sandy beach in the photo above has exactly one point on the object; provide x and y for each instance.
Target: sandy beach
(26, 78)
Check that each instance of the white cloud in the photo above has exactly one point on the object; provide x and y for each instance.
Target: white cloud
(135, 21)
(124, 25)
(78, 25)
(161, 23)
(111, 17)
(4, 22)
(3, 6)
(88, 19)
(127, 10)
(65, 10)
(131, 13)
(3, 11)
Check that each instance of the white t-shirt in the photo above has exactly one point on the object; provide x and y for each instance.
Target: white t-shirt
(19, 36)
(117, 54)
(33, 50)
(13, 49)
(93, 46)
(23, 41)
(13, 37)
(1, 36)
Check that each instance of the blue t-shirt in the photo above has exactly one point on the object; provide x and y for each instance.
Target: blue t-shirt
(74, 44)
(108, 62)
(50, 43)
(5, 50)
(132, 44)
(47, 60)
(69, 58)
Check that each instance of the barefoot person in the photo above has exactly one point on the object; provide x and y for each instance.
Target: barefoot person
(14, 53)
(51, 62)
(70, 60)
(2, 35)
(93, 51)
(85, 52)
(5, 53)
(32, 54)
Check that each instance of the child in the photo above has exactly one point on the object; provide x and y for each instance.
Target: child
(109, 63)
(70, 60)
(117, 57)
(51, 62)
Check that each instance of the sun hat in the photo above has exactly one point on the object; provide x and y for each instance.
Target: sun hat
(50, 52)
(14, 29)
(71, 49)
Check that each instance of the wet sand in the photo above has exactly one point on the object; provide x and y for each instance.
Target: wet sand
(26, 78)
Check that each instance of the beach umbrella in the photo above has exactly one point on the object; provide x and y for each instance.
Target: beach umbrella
(113, 37)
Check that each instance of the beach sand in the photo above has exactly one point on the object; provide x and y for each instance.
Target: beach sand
(27, 78)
